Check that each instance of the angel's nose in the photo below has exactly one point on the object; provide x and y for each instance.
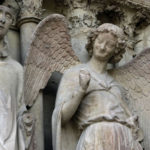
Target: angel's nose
(2, 18)
(102, 46)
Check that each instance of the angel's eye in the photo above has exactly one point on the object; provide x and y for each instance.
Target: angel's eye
(8, 16)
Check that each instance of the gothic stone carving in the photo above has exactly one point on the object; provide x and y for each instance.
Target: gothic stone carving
(97, 12)
(51, 39)
(93, 114)
(11, 90)
(12, 107)
(31, 8)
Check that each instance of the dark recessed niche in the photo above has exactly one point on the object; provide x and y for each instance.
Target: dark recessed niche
(53, 83)
(108, 17)
(48, 107)
(142, 23)
(1, 2)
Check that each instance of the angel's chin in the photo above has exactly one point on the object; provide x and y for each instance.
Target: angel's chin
(102, 58)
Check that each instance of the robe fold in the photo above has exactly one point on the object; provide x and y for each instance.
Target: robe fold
(102, 120)
(11, 104)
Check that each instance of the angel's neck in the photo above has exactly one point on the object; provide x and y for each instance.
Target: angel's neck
(98, 66)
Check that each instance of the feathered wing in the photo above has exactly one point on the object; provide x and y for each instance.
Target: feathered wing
(50, 51)
(135, 78)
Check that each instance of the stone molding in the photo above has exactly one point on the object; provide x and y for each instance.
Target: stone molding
(28, 20)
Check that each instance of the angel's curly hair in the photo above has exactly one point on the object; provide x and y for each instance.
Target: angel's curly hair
(114, 30)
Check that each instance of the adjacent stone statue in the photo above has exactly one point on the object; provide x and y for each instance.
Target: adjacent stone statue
(12, 105)
(92, 104)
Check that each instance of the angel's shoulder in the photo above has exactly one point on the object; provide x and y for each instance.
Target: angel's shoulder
(75, 69)
(17, 67)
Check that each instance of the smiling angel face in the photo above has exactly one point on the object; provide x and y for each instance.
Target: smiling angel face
(107, 42)
(104, 46)
(6, 19)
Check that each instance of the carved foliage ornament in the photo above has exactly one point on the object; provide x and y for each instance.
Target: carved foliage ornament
(31, 8)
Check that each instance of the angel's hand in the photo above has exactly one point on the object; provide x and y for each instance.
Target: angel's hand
(84, 79)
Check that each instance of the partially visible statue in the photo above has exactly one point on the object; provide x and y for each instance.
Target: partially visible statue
(92, 104)
(12, 106)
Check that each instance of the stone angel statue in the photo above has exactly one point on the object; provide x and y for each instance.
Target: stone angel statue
(95, 108)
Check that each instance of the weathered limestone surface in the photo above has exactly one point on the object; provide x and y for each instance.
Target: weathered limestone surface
(29, 18)
(12, 106)
(14, 44)
(83, 15)
(93, 113)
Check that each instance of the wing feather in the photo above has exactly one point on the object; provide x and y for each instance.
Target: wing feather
(50, 51)
(135, 78)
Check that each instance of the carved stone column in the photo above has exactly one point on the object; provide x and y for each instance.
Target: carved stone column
(29, 18)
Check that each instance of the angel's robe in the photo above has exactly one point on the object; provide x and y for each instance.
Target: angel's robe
(11, 103)
(103, 120)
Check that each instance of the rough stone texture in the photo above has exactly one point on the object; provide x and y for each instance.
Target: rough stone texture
(50, 40)
(127, 14)
(27, 23)
(133, 16)
(143, 38)
(28, 19)
(137, 73)
(30, 8)
(12, 104)
(84, 15)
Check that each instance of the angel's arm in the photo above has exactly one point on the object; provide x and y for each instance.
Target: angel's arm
(70, 94)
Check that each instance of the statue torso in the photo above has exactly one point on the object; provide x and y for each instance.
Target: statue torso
(9, 87)
(102, 102)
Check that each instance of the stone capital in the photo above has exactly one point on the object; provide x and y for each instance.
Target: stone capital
(31, 9)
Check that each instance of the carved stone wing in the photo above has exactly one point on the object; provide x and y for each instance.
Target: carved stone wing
(142, 3)
(135, 78)
(50, 51)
